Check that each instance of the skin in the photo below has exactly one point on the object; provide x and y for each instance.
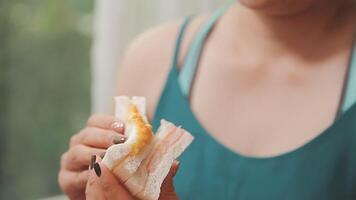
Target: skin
(79, 182)
(279, 78)
(97, 136)
(106, 186)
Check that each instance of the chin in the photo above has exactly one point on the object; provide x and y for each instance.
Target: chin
(260, 4)
(278, 7)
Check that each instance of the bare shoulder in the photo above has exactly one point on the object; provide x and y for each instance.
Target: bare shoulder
(148, 59)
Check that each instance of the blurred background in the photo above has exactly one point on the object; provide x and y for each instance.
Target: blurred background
(58, 62)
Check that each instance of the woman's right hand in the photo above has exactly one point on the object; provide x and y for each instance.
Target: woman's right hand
(101, 132)
(103, 184)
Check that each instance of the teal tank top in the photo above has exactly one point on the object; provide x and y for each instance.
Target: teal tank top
(323, 168)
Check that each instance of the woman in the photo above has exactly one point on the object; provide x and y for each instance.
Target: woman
(267, 87)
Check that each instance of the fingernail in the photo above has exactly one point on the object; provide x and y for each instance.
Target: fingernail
(97, 169)
(92, 161)
(176, 169)
(117, 126)
(118, 139)
(102, 155)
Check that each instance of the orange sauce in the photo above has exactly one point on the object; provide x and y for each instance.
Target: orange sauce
(144, 130)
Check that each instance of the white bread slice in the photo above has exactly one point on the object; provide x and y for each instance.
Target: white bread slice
(137, 183)
(140, 102)
(146, 184)
(119, 158)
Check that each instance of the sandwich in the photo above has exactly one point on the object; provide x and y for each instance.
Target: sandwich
(144, 160)
(124, 159)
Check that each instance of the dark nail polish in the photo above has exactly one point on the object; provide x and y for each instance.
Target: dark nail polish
(97, 169)
(118, 139)
(92, 161)
(102, 155)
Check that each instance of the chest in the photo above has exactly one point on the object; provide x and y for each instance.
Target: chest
(267, 110)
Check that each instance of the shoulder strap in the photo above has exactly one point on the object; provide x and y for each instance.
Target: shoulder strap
(349, 98)
(179, 41)
(188, 69)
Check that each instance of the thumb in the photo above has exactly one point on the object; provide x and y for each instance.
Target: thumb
(111, 187)
(167, 189)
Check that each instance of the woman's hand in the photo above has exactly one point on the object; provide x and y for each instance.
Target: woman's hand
(103, 185)
(101, 132)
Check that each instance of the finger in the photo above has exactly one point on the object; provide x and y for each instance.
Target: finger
(110, 185)
(78, 157)
(96, 137)
(93, 189)
(167, 188)
(106, 122)
(72, 182)
(118, 127)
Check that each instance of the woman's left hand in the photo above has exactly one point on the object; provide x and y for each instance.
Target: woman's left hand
(102, 184)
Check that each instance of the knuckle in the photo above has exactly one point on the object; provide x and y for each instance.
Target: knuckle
(73, 157)
(72, 183)
(78, 138)
(74, 154)
(61, 180)
(66, 182)
(92, 119)
(64, 159)
(73, 140)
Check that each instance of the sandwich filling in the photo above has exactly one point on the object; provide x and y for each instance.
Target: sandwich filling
(144, 132)
(174, 135)
(138, 132)
(141, 162)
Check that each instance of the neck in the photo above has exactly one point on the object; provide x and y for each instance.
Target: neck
(302, 31)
